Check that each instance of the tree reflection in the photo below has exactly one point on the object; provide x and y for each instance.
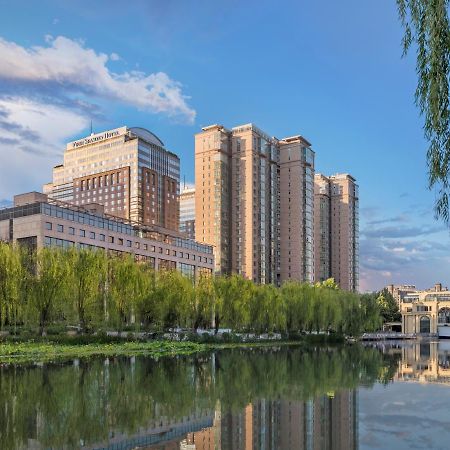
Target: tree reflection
(96, 401)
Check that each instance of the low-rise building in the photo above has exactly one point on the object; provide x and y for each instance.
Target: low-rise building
(427, 312)
(37, 221)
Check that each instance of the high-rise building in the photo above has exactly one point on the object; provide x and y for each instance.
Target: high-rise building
(296, 209)
(255, 194)
(237, 199)
(127, 170)
(336, 206)
(254, 202)
(213, 193)
(187, 212)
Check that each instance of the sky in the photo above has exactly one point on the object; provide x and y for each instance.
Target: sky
(330, 71)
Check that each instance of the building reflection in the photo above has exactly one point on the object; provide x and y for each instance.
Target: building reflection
(327, 423)
(425, 362)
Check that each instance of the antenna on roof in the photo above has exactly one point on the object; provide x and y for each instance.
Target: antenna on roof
(91, 128)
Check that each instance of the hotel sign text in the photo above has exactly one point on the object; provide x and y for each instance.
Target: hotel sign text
(96, 138)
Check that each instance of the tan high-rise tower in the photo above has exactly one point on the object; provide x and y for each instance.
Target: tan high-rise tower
(336, 201)
(254, 202)
(213, 193)
(296, 209)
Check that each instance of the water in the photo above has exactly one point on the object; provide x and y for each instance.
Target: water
(394, 396)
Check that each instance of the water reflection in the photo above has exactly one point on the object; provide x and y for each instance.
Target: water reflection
(425, 362)
(277, 398)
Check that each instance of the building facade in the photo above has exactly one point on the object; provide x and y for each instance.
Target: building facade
(213, 193)
(187, 212)
(127, 170)
(37, 221)
(254, 202)
(426, 312)
(336, 241)
(296, 210)
(399, 291)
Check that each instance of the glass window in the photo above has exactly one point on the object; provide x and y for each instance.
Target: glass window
(82, 233)
(92, 235)
(71, 231)
(48, 225)
(60, 228)
(102, 237)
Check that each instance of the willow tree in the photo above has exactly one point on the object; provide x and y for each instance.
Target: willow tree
(426, 26)
(11, 279)
(202, 306)
(88, 272)
(50, 287)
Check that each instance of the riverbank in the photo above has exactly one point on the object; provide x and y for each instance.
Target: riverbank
(47, 351)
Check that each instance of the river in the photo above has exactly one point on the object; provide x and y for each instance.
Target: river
(392, 395)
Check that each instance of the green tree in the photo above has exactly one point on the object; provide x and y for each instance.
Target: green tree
(50, 286)
(299, 303)
(371, 312)
(11, 281)
(123, 288)
(174, 296)
(87, 273)
(267, 312)
(388, 307)
(202, 307)
(426, 25)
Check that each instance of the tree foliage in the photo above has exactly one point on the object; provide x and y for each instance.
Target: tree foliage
(426, 26)
(88, 289)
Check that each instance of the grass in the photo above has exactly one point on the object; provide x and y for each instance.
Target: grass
(27, 352)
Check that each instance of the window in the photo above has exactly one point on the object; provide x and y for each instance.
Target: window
(111, 239)
(128, 243)
(60, 228)
(48, 225)
(102, 237)
(82, 233)
(71, 231)
(120, 241)
(92, 235)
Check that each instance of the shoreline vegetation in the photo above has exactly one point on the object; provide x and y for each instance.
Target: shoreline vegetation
(63, 348)
(91, 291)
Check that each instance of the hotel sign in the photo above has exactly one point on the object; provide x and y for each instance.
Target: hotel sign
(98, 137)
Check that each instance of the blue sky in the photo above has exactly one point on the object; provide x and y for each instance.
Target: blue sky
(331, 71)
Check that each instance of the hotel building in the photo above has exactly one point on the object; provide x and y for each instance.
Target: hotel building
(336, 232)
(37, 221)
(253, 193)
(187, 212)
(127, 170)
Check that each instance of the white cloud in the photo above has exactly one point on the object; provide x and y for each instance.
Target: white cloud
(67, 63)
(32, 140)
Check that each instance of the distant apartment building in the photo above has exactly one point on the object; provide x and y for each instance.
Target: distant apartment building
(336, 233)
(127, 170)
(259, 221)
(187, 212)
(38, 221)
(399, 291)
